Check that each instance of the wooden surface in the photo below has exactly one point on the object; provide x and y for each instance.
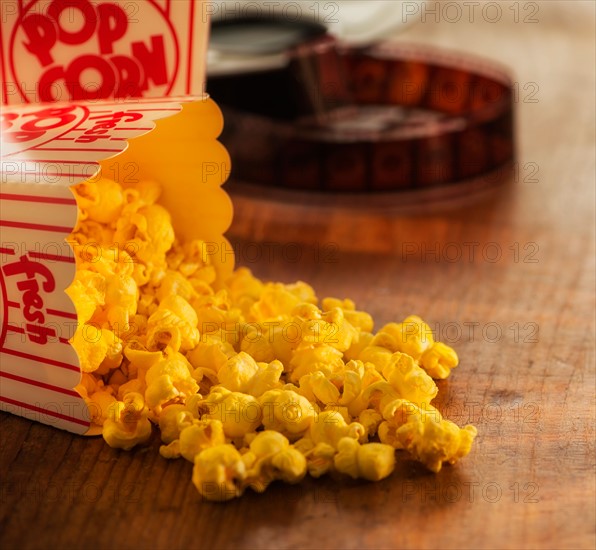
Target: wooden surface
(529, 481)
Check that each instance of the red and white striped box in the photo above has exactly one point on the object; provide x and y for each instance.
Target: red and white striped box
(79, 79)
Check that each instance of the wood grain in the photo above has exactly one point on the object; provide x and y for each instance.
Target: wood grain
(529, 481)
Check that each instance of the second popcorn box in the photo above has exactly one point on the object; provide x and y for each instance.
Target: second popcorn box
(82, 86)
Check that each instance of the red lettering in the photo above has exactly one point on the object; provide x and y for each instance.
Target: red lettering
(129, 76)
(47, 81)
(153, 61)
(105, 124)
(39, 334)
(96, 90)
(93, 76)
(57, 8)
(42, 36)
(112, 26)
(44, 119)
(6, 120)
(116, 117)
(36, 274)
(26, 267)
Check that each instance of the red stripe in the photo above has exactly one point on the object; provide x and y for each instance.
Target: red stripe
(20, 330)
(50, 161)
(45, 411)
(44, 360)
(65, 174)
(33, 198)
(191, 27)
(150, 128)
(4, 69)
(59, 313)
(39, 384)
(10, 303)
(36, 226)
(103, 150)
(8, 251)
(52, 257)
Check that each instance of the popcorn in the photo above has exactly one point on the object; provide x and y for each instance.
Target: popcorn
(101, 200)
(172, 420)
(169, 380)
(194, 437)
(207, 359)
(438, 360)
(252, 382)
(97, 347)
(330, 427)
(319, 457)
(358, 319)
(319, 387)
(238, 372)
(127, 425)
(425, 434)
(219, 472)
(173, 324)
(121, 297)
(238, 412)
(372, 461)
(99, 405)
(87, 292)
(277, 301)
(409, 380)
(310, 358)
(270, 457)
(287, 412)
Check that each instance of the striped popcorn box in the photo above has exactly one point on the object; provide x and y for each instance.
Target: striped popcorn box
(79, 80)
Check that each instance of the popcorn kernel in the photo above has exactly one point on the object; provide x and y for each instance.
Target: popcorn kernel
(250, 381)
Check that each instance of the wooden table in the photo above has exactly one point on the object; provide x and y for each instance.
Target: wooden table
(523, 326)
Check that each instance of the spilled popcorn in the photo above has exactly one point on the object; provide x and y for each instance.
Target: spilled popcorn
(252, 382)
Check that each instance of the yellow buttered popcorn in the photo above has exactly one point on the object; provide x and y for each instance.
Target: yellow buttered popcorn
(330, 427)
(287, 412)
(173, 324)
(219, 473)
(319, 457)
(201, 435)
(169, 380)
(270, 457)
(372, 461)
(195, 436)
(425, 434)
(172, 421)
(251, 381)
(438, 360)
(97, 348)
(100, 200)
(239, 413)
(410, 380)
(127, 424)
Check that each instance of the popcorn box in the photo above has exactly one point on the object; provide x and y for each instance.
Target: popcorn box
(112, 88)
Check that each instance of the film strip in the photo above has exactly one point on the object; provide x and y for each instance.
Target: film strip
(387, 119)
